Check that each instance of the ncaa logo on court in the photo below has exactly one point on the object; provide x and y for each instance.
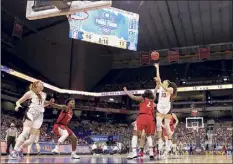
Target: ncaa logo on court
(106, 22)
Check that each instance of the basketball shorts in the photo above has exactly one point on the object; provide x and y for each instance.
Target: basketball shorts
(146, 122)
(165, 131)
(57, 128)
(35, 116)
(164, 108)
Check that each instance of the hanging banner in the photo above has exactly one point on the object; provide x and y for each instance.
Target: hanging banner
(204, 53)
(173, 55)
(17, 29)
(145, 58)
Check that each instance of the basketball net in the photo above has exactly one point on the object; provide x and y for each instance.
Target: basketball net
(195, 128)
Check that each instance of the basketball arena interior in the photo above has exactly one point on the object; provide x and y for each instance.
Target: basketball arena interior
(99, 61)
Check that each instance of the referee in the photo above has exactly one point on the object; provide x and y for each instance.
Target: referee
(11, 135)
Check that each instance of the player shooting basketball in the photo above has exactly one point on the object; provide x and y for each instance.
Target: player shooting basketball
(167, 91)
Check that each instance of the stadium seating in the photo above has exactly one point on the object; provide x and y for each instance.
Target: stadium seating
(137, 78)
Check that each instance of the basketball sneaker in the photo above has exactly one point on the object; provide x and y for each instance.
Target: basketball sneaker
(14, 154)
(141, 153)
(55, 150)
(20, 153)
(152, 155)
(74, 156)
(154, 151)
(132, 155)
(168, 148)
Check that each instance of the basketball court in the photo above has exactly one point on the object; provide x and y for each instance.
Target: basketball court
(119, 159)
(76, 12)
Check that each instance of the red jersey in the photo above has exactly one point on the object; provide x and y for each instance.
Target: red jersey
(65, 117)
(172, 121)
(147, 107)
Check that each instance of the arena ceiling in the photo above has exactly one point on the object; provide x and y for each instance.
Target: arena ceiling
(163, 24)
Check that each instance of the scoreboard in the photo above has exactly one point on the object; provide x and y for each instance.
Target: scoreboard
(107, 26)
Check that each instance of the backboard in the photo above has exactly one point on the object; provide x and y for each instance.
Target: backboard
(39, 9)
(194, 122)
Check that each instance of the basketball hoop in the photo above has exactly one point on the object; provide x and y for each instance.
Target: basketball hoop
(81, 17)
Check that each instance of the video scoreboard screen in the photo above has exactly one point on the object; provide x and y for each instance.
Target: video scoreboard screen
(107, 26)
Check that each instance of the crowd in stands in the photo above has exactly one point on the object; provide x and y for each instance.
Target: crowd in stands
(45, 132)
(222, 133)
(101, 104)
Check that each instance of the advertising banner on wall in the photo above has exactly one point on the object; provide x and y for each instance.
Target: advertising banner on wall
(101, 138)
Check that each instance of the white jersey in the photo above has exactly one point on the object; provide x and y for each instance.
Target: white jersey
(36, 103)
(164, 97)
(164, 104)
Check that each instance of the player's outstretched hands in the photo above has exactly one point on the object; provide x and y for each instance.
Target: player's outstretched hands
(155, 79)
(158, 81)
(51, 101)
(17, 106)
(125, 89)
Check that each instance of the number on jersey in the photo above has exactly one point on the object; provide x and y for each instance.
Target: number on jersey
(163, 94)
(148, 104)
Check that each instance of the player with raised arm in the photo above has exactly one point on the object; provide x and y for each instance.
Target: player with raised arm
(61, 128)
(167, 91)
(33, 118)
(145, 124)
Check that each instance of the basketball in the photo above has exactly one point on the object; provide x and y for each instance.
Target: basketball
(154, 55)
(194, 112)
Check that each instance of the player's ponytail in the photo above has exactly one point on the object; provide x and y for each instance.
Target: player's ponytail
(32, 87)
(174, 86)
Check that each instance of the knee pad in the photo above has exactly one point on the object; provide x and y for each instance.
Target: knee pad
(64, 135)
